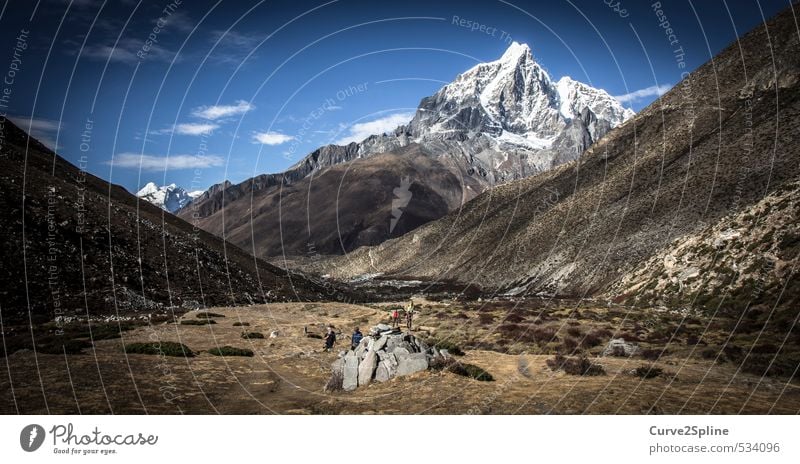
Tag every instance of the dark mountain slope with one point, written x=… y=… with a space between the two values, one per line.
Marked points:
x=83 y=235
x=717 y=143
x=342 y=207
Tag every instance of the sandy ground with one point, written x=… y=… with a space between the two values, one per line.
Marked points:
x=288 y=372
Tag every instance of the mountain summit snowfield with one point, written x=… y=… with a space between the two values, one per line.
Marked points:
x=168 y=197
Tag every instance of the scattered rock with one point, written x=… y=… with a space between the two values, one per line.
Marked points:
x=619 y=347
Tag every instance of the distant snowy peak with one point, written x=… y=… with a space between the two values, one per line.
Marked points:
x=168 y=197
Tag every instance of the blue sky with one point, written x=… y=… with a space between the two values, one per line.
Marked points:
x=206 y=90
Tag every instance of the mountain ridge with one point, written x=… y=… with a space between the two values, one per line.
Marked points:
x=501 y=120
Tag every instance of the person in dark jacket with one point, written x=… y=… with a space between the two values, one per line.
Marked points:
x=355 y=339
x=330 y=339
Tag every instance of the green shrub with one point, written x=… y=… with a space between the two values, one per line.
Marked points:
x=198 y=322
x=206 y=315
x=230 y=351
x=252 y=335
x=575 y=366
x=160 y=348
x=647 y=372
x=472 y=371
x=241 y=324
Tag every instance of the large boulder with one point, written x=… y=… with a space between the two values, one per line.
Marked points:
x=619 y=347
x=380 y=343
x=387 y=368
x=412 y=363
x=367 y=368
x=350 y=372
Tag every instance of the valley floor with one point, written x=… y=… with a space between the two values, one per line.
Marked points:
x=287 y=373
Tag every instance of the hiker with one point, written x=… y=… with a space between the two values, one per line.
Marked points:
x=355 y=339
x=409 y=313
x=396 y=318
x=330 y=339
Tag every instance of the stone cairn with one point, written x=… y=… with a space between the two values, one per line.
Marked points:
x=382 y=355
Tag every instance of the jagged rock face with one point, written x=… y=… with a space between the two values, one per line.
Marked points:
x=712 y=146
x=497 y=122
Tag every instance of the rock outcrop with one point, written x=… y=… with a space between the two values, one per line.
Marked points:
x=382 y=355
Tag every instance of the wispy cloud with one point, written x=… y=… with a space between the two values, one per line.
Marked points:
x=192 y=128
x=178 y=21
x=223 y=111
x=271 y=138
x=652 y=91
x=43 y=130
x=232 y=47
x=125 y=52
x=164 y=162
x=360 y=131
x=188 y=128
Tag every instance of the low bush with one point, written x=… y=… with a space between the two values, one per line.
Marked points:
x=570 y=345
x=198 y=322
x=160 y=348
x=647 y=372
x=575 y=366
x=252 y=335
x=241 y=324
x=441 y=363
x=206 y=315
x=654 y=354
x=472 y=371
x=514 y=318
x=595 y=337
x=313 y=335
x=61 y=345
x=574 y=331
x=448 y=345
x=230 y=351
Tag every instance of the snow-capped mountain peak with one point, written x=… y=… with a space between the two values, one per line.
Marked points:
x=513 y=99
x=168 y=197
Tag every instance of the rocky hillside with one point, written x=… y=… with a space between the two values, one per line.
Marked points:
x=714 y=146
x=498 y=121
x=741 y=262
x=75 y=245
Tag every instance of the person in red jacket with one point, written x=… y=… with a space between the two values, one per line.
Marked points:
x=396 y=317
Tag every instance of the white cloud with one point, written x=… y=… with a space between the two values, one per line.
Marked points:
x=126 y=51
x=271 y=138
x=360 y=131
x=192 y=128
x=165 y=163
x=223 y=111
x=652 y=91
